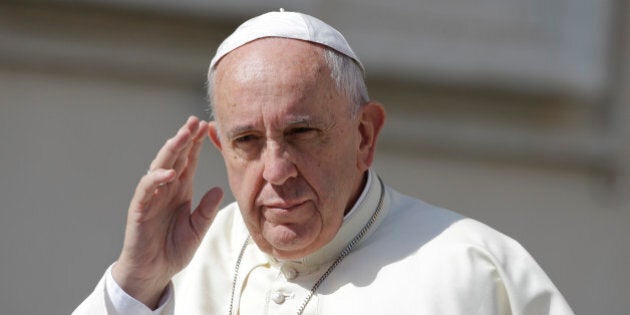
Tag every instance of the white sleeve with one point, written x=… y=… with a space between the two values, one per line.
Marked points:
x=109 y=298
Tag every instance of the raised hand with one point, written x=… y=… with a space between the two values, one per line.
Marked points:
x=162 y=234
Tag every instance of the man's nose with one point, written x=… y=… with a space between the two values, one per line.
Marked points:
x=278 y=164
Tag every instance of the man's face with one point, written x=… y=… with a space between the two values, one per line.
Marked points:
x=290 y=144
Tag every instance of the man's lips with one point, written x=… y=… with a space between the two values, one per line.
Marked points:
x=286 y=206
x=285 y=212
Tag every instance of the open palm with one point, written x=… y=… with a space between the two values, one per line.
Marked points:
x=162 y=233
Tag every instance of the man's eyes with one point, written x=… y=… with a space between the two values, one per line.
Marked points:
x=245 y=139
x=302 y=130
x=294 y=133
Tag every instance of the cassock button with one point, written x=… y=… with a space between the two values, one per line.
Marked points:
x=277 y=297
x=290 y=273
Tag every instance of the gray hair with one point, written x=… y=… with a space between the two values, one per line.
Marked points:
x=348 y=77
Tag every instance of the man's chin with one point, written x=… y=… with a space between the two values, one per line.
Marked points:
x=290 y=254
x=287 y=243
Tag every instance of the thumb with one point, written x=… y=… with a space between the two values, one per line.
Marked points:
x=207 y=209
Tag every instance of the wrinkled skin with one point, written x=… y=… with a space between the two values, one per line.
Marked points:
x=295 y=155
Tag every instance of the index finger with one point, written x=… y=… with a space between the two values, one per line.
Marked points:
x=193 y=153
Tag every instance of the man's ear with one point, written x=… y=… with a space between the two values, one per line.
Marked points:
x=213 y=134
x=371 y=120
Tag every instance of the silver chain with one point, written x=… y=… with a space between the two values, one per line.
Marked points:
x=238 y=265
x=330 y=269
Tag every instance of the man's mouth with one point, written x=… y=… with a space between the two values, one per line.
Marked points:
x=288 y=206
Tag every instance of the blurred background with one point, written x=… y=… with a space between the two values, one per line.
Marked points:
x=512 y=112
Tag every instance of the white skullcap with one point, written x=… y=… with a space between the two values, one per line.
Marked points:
x=287 y=25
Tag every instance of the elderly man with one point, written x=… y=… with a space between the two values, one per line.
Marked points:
x=314 y=230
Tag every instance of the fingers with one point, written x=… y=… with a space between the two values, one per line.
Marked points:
x=177 y=157
x=148 y=184
x=193 y=154
x=204 y=214
x=175 y=150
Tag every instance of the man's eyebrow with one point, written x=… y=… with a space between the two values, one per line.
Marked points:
x=306 y=121
x=300 y=120
x=238 y=130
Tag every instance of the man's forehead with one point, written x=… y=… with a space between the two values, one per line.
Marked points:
x=263 y=70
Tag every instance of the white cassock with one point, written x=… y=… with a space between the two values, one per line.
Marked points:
x=413 y=259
